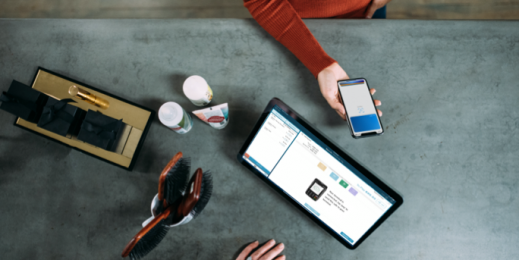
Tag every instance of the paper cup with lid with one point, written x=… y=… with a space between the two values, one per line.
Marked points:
x=197 y=91
x=175 y=118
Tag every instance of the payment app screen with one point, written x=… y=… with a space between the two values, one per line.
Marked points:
x=359 y=106
x=296 y=161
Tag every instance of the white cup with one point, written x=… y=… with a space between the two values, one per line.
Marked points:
x=197 y=91
x=175 y=118
x=154 y=204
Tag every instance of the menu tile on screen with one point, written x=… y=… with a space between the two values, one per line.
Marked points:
x=321 y=166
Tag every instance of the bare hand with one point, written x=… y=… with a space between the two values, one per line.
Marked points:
x=327 y=79
x=266 y=252
x=374 y=6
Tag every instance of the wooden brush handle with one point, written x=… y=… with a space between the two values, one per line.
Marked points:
x=192 y=194
x=129 y=247
x=162 y=178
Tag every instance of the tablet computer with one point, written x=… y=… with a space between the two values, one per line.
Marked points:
x=316 y=176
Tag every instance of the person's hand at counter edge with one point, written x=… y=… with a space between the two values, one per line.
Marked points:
x=374 y=6
x=327 y=80
x=266 y=252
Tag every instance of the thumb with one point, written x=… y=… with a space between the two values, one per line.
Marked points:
x=339 y=107
x=371 y=10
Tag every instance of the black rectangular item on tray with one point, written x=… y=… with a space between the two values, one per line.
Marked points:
x=23 y=101
x=60 y=117
x=100 y=130
x=118 y=140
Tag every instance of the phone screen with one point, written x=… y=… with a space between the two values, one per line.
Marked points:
x=360 y=110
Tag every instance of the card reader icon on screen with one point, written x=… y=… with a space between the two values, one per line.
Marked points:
x=316 y=189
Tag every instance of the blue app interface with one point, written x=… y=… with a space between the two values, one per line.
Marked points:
x=359 y=106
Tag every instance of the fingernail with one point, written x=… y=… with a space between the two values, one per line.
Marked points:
x=282 y=245
x=272 y=241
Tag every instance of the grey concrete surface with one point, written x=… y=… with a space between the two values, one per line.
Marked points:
x=448 y=92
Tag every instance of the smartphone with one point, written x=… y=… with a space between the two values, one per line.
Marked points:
x=361 y=113
x=316 y=189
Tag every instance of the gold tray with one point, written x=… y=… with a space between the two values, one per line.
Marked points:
x=137 y=119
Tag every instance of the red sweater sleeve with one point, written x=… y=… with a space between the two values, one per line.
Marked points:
x=281 y=20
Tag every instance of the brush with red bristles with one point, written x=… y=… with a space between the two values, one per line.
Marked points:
x=181 y=211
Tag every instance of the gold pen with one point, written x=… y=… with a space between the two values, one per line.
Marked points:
x=88 y=97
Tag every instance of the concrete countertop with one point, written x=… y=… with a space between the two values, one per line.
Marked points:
x=449 y=91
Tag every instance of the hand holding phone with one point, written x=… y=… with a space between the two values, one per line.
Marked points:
x=327 y=79
x=361 y=113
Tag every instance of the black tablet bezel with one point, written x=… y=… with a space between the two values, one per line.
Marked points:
x=275 y=101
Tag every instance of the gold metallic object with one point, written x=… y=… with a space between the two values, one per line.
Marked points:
x=87 y=97
x=134 y=117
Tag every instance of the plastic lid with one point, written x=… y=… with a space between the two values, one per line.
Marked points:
x=170 y=114
x=195 y=87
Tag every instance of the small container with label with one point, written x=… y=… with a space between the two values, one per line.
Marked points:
x=175 y=118
x=197 y=91
x=217 y=116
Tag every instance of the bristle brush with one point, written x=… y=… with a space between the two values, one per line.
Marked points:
x=182 y=211
x=149 y=237
x=173 y=181
x=197 y=196
x=205 y=193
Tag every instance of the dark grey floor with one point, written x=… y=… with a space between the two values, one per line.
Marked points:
x=448 y=89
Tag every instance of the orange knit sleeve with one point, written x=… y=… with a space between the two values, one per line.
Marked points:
x=281 y=20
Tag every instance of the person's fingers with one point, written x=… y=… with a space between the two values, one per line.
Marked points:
x=339 y=108
x=262 y=250
x=377 y=102
x=333 y=100
x=372 y=91
x=371 y=10
x=281 y=257
x=379 y=112
x=246 y=251
x=343 y=116
x=273 y=253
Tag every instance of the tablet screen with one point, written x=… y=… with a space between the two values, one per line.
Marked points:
x=314 y=176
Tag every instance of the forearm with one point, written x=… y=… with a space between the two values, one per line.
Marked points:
x=281 y=20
